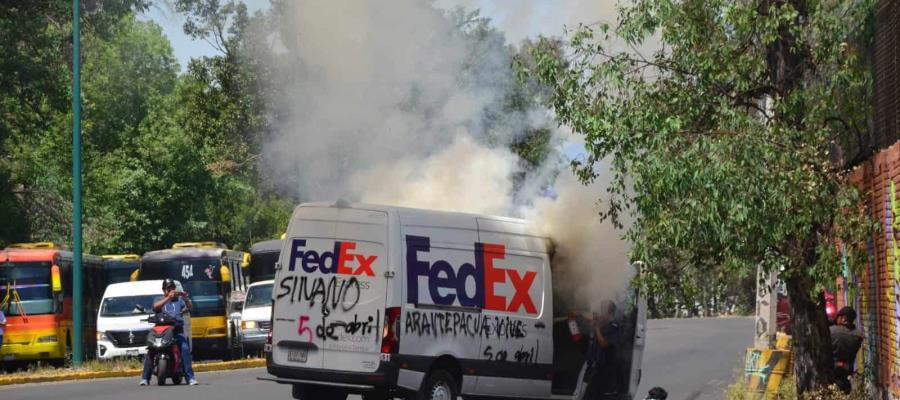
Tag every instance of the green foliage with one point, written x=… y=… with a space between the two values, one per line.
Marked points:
x=731 y=141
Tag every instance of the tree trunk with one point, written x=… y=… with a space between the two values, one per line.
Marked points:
x=811 y=352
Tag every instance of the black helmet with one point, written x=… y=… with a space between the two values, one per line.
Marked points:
x=168 y=283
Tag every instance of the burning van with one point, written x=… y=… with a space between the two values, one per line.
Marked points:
x=391 y=302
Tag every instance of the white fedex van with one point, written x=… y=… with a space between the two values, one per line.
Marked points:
x=396 y=302
x=120 y=331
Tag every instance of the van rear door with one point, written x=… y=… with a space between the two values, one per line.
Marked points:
x=330 y=290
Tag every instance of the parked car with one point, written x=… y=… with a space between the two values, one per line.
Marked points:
x=783 y=312
x=256 y=317
x=120 y=332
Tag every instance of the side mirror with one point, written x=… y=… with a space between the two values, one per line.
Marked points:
x=55 y=280
x=140 y=308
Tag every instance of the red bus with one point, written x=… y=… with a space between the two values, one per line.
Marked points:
x=36 y=296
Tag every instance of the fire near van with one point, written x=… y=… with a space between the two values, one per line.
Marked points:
x=395 y=302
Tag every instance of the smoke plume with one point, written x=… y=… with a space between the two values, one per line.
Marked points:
x=393 y=103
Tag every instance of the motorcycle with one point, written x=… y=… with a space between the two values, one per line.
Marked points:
x=163 y=349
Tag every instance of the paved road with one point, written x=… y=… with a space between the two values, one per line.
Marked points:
x=695 y=359
x=692 y=359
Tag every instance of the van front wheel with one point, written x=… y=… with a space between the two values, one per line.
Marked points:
x=440 y=385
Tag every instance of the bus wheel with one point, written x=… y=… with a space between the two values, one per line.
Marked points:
x=440 y=385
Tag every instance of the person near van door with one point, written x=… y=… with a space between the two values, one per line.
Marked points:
x=602 y=355
x=173 y=304
x=2 y=325
x=845 y=343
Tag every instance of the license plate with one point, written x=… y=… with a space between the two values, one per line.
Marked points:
x=134 y=352
x=297 y=355
x=9 y=357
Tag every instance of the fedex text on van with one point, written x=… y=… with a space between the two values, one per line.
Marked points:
x=485 y=273
x=341 y=261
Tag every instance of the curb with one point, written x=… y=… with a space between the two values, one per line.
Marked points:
x=76 y=376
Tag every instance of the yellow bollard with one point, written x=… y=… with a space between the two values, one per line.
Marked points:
x=782 y=341
x=764 y=369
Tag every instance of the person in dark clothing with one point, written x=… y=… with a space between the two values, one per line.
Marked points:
x=845 y=343
x=606 y=340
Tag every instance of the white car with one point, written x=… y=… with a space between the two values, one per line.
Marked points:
x=120 y=331
x=256 y=317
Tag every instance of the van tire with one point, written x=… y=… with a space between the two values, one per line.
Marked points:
x=304 y=392
x=439 y=385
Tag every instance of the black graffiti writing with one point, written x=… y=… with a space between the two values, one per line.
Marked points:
x=330 y=293
x=334 y=329
x=522 y=356
x=455 y=323
x=500 y=355
x=527 y=356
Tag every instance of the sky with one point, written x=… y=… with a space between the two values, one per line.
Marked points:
x=518 y=19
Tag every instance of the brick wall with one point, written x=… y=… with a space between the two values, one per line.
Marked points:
x=875 y=289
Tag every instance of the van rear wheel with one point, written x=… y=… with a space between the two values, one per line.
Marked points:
x=303 y=392
x=440 y=385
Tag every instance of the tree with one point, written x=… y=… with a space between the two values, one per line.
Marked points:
x=723 y=141
x=35 y=100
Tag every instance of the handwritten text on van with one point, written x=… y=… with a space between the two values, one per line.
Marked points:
x=486 y=275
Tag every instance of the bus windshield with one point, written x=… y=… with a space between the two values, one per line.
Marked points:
x=259 y=296
x=31 y=281
x=117 y=272
x=127 y=305
x=200 y=277
x=262 y=265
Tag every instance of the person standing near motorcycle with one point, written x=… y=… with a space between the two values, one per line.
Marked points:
x=174 y=304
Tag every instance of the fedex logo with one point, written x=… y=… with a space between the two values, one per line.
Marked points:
x=486 y=274
x=342 y=260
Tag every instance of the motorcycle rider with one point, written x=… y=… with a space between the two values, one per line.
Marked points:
x=173 y=304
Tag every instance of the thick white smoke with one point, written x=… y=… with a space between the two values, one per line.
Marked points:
x=382 y=87
x=590 y=258
x=387 y=103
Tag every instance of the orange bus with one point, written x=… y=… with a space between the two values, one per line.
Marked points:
x=36 y=296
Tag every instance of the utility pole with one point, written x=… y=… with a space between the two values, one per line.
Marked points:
x=77 y=302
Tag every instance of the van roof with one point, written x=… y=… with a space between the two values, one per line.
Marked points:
x=515 y=233
x=409 y=211
x=134 y=288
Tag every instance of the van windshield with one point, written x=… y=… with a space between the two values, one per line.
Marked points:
x=126 y=305
x=259 y=296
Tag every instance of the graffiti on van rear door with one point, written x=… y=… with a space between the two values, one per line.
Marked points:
x=331 y=293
